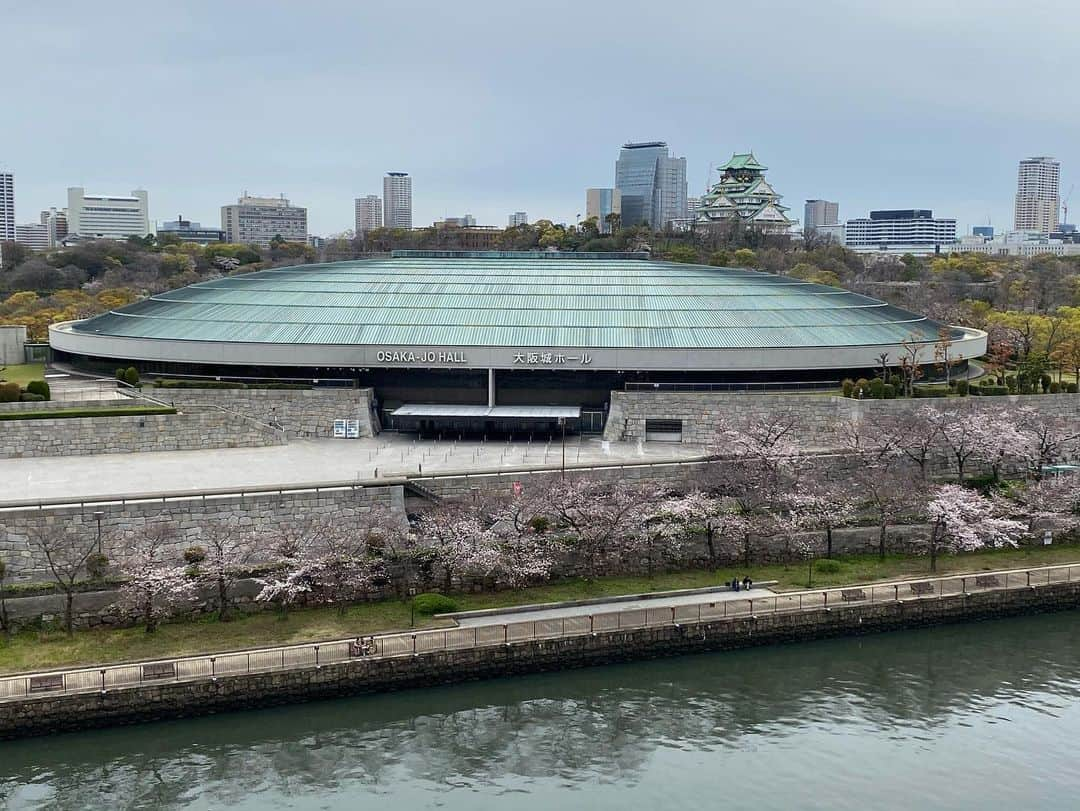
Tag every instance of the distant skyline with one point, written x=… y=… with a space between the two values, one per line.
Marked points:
x=921 y=105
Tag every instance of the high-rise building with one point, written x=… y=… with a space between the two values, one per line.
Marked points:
x=1038 y=195
x=606 y=206
x=57 y=225
x=257 y=220
x=7 y=207
x=914 y=231
x=820 y=212
x=518 y=218
x=692 y=206
x=369 y=211
x=34 y=236
x=107 y=216
x=397 y=200
x=652 y=184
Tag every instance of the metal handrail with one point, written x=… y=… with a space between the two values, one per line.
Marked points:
x=316 y=654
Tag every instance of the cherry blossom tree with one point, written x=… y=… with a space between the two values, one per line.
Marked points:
x=822 y=505
x=998 y=439
x=963 y=520
x=765 y=459
x=961 y=432
x=1049 y=439
x=154 y=587
x=699 y=512
x=915 y=435
x=345 y=569
x=1053 y=498
x=5 y=623
x=457 y=537
x=602 y=518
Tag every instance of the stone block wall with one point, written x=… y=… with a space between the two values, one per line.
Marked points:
x=189 y=518
x=816 y=413
x=84 y=436
x=301 y=412
x=52 y=405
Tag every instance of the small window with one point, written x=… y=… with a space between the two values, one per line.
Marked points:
x=663 y=430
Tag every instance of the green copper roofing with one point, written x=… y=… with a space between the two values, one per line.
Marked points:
x=744 y=160
x=515 y=301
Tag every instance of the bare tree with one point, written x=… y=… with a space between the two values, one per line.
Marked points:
x=66 y=551
x=230 y=548
x=5 y=624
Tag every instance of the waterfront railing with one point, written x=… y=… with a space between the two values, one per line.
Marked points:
x=415 y=643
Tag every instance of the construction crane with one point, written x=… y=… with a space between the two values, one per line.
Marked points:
x=1065 y=204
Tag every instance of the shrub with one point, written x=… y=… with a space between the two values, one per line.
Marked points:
x=828 y=566
x=1072 y=388
x=97 y=565
x=929 y=391
x=10 y=392
x=988 y=391
x=962 y=388
x=194 y=555
x=896 y=382
x=848 y=387
x=888 y=391
x=1010 y=382
x=433 y=603
x=539 y=524
x=877 y=388
x=1045 y=380
x=120 y=372
x=26 y=397
x=39 y=387
x=1055 y=387
x=131 y=376
x=952 y=384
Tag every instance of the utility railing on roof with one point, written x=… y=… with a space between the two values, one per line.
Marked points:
x=385 y=646
x=807 y=385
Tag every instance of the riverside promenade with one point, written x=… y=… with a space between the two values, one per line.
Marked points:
x=37 y=703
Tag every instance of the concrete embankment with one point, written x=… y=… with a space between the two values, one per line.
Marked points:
x=60 y=712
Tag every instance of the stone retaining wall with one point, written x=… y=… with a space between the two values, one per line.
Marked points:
x=701 y=412
x=56 y=713
x=267 y=513
x=84 y=436
x=301 y=412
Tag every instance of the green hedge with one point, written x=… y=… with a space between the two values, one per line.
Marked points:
x=433 y=603
x=930 y=391
x=990 y=391
x=70 y=413
x=224 y=384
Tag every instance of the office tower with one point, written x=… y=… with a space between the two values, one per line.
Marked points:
x=820 y=212
x=1038 y=195
x=107 y=216
x=369 y=211
x=7 y=207
x=652 y=184
x=518 y=218
x=257 y=220
x=606 y=206
x=397 y=200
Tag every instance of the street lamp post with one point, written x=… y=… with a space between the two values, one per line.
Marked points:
x=562 y=422
x=99 y=515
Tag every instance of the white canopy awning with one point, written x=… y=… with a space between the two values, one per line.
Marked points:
x=487 y=412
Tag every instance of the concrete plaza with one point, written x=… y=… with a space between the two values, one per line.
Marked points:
x=302 y=462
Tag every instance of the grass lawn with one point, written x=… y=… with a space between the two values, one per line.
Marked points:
x=23 y=373
x=35 y=650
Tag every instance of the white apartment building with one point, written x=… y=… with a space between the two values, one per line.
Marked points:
x=107 y=216
x=1038 y=195
x=517 y=218
x=1025 y=244
x=258 y=220
x=369 y=211
x=7 y=207
x=397 y=200
x=57 y=225
x=817 y=213
x=900 y=231
x=34 y=236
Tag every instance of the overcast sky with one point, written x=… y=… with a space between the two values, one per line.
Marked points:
x=495 y=107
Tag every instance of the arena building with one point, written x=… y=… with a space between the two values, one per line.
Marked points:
x=492 y=340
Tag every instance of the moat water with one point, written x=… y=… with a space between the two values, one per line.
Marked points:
x=979 y=716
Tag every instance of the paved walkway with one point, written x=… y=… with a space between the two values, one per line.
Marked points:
x=645 y=601
x=300 y=462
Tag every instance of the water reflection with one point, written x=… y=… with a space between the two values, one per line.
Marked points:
x=775 y=716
